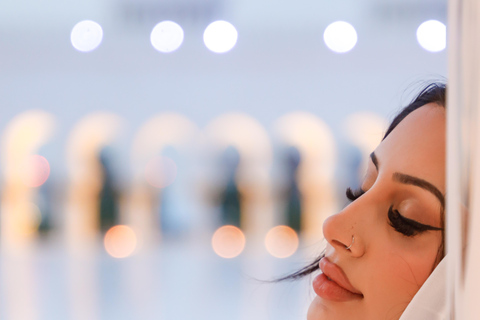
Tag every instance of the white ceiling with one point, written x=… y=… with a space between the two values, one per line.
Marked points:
x=279 y=65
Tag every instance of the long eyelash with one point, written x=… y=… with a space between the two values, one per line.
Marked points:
x=353 y=195
x=406 y=226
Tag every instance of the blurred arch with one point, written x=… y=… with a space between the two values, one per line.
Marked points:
x=314 y=140
x=253 y=144
x=85 y=142
x=22 y=138
x=365 y=131
x=167 y=130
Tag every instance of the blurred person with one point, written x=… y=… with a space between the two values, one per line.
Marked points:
x=294 y=203
x=230 y=197
x=44 y=203
x=109 y=195
x=389 y=240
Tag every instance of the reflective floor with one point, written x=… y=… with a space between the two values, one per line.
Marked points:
x=174 y=280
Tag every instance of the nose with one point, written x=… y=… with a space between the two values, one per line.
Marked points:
x=345 y=233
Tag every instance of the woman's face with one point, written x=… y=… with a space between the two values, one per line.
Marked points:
x=394 y=225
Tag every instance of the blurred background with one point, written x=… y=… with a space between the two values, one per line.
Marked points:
x=161 y=159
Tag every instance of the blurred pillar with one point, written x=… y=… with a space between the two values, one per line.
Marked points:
x=463 y=159
x=83 y=284
x=82 y=222
x=20 y=217
x=22 y=138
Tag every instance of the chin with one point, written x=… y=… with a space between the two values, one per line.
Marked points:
x=317 y=310
x=327 y=310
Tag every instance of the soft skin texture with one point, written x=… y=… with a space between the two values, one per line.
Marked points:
x=386 y=266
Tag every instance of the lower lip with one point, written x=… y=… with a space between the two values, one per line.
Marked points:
x=330 y=290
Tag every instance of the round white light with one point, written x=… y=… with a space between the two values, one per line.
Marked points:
x=432 y=35
x=167 y=36
x=220 y=36
x=340 y=36
x=86 y=36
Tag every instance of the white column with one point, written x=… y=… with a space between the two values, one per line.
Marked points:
x=463 y=169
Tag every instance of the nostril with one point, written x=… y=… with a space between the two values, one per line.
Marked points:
x=336 y=242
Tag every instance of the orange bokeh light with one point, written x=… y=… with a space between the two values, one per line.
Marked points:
x=228 y=242
x=120 y=241
x=281 y=241
x=160 y=172
x=36 y=171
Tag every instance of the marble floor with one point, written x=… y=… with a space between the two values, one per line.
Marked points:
x=174 y=280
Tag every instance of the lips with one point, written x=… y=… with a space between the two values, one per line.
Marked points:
x=333 y=284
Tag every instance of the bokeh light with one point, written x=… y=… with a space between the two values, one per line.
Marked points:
x=340 y=37
x=432 y=35
x=167 y=36
x=281 y=241
x=228 y=242
x=160 y=172
x=120 y=241
x=220 y=36
x=86 y=35
x=36 y=171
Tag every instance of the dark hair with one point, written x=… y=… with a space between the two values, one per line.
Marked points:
x=432 y=93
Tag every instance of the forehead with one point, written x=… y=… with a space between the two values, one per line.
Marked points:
x=417 y=146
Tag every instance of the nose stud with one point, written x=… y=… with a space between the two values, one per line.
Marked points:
x=351 y=244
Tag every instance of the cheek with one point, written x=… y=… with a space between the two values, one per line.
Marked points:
x=405 y=275
x=399 y=274
x=415 y=261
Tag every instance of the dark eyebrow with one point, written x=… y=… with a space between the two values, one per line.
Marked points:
x=406 y=179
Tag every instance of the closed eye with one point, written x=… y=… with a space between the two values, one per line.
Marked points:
x=407 y=226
